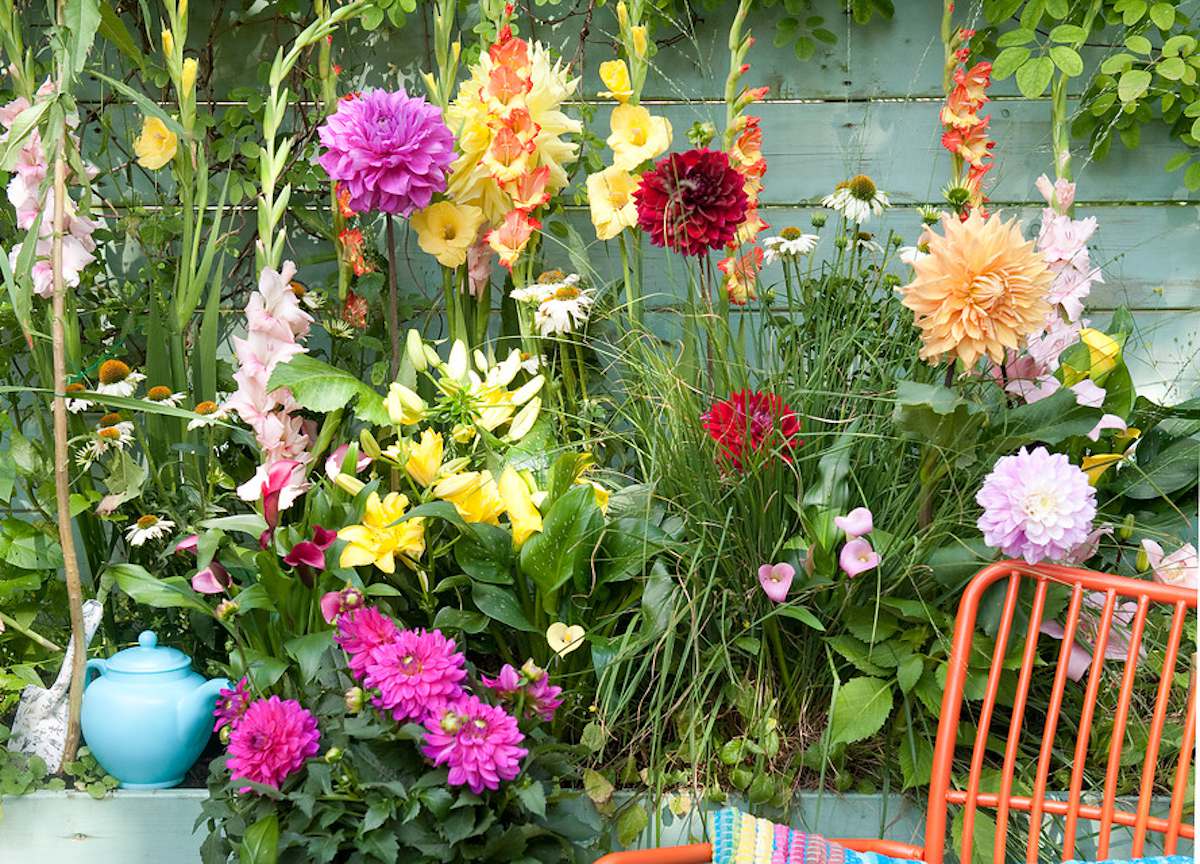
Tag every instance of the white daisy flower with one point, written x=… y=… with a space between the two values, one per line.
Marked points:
x=545 y=287
x=116 y=379
x=910 y=255
x=791 y=243
x=148 y=527
x=111 y=435
x=857 y=199
x=210 y=414
x=564 y=311
x=76 y=405
x=531 y=363
x=865 y=242
x=161 y=395
x=338 y=329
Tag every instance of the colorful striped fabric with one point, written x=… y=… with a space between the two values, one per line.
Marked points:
x=739 y=838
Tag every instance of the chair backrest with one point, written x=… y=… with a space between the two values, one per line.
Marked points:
x=1094 y=597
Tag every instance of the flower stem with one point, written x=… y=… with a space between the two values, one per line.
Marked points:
x=393 y=311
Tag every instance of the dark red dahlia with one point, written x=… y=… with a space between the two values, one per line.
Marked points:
x=691 y=202
x=749 y=421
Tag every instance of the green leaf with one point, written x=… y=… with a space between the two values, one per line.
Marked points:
x=166 y=593
x=124 y=482
x=449 y=618
x=1139 y=44
x=597 y=787
x=260 y=844
x=1068 y=33
x=1172 y=470
x=308 y=651
x=563 y=549
x=631 y=823
x=832 y=469
x=533 y=796
x=144 y=103
x=1172 y=68
x=857 y=652
x=860 y=709
x=1116 y=64
x=1179 y=46
x=908 y=673
x=1067 y=60
x=1163 y=15
x=244 y=523
x=1008 y=61
x=82 y=18
x=114 y=31
x=799 y=613
x=20 y=130
x=1191 y=177
x=318 y=386
x=916 y=768
x=499 y=604
x=1132 y=84
x=1034 y=77
x=28 y=547
x=1017 y=36
x=486 y=554
x=1049 y=421
x=936 y=414
x=1132 y=12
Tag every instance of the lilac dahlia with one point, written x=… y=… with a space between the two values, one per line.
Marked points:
x=271 y=741
x=479 y=742
x=362 y=632
x=389 y=151
x=1036 y=506
x=416 y=673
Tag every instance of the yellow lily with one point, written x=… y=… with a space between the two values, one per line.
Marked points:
x=474 y=495
x=518 y=502
x=1103 y=350
x=380 y=537
x=425 y=458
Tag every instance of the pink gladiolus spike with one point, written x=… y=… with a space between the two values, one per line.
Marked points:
x=856 y=523
x=776 y=580
x=279 y=476
x=858 y=557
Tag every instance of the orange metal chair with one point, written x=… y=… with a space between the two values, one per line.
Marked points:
x=942 y=794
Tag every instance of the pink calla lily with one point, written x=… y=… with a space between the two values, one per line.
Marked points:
x=776 y=580
x=858 y=557
x=856 y=523
x=213 y=579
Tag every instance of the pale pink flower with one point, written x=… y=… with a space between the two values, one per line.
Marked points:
x=1107 y=421
x=858 y=557
x=776 y=580
x=1181 y=567
x=479 y=266
x=1060 y=194
x=1084 y=646
x=213 y=579
x=1088 y=394
x=333 y=465
x=1083 y=552
x=856 y=523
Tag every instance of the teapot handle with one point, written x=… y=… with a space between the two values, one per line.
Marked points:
x=94 y=665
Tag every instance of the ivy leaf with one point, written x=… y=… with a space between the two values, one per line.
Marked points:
x=320 y=387
x=1132 y=84
x=1034 y=77
x=1068 y=60
x=860 y=709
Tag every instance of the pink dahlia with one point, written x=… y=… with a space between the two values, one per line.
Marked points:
x=416 y=673
x=271 y=741
x=691 y=202
x=361 y=633
x=542 y=699
x=748 y=421
x=232 y=704
x=1036 y=506
x=479 y=742
x=389 y=151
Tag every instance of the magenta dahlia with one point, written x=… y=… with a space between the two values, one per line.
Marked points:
x=691 y=202
x=271 y=741
x=749 y=421
x=479 y=742
x=417 y=672
x=389 y=151
x=362 y=632
x=232 y=704
x=1036 y=506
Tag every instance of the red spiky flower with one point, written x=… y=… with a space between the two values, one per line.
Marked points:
x=691 y=202
x=749 y=421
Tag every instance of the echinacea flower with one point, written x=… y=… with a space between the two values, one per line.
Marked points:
x=156 y=145
x=979 y=292
x=749 y=421
x=1181 y=567
x=272 y=741
x=208 y=413
x=416 y=673
x=856 y=523
x=389 y=151
x=232 y=704
x=776 y=580
x=161 y=395
x=361 y=632
x=691 y=202
x=148 y=527
x=637 y=136
x=566 y=310
x=446 y=231
x=478 y=742
x=611 y=201
x=857 y=557
x=382 y=537
x=563 y=639
x=117 y=379
x=213 y=579
x=336 y=603
x=76 y=405
x=1036 y=506
x=790 y=244
x=857 y=199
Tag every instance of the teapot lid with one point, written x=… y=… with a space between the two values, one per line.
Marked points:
x=148 y=657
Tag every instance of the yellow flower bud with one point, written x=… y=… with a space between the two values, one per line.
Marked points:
x=404 y=407
x=523 y=422
x=415 y=346
x=615 y=75
x=168 y=43
x=368 y=444
x=622 y=14
x=182 y=9
x=188 y=77
x=349 y=483
x=640 y=40
x=463 y=433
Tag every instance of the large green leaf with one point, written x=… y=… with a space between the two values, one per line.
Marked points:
x=82 y=18
x=860 y=709
x=165 y=593
x=486 y=554
x=936 y=415
x=832 y=469
x=564 y=547
x=499 y=604
x=308 y=651
x=1048 y=421
x=320 y=387
x=260 y=844
x=1172 y=470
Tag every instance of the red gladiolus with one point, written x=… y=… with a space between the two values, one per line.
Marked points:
x=691 y=202
x=749 y=421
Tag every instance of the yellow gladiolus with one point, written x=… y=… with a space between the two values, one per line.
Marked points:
x=156 y=146
x=610 y=198
x=615 y=75
x=518 y=502
x=640 y=40
x=637 y=136
x=446 y=231
x=188 y=76
x=622 y=14
x=425 y=458
x=381 y=538
x=1103 y=350
x=168 y=43
x=404 y=407
x=474 y=495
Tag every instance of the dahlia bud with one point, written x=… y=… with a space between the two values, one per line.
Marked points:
x=333 y=755
x=223 y=735
x=532 y=672
x=226 y=609
x=1126 y=529
x=355 y=699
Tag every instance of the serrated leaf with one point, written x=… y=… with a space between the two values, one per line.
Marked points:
x=1034 y=77
x=908 y=673
x=860 y=709
x=915 y=767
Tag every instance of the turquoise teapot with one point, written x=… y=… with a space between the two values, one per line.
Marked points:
x=147 y=716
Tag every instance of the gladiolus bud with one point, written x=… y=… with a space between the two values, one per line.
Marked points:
x=622 y=14
x=182 y=9
x=640 y=40
x=404 y=407
x=188 y=77
x=349 y=483
x=355 y=698
x=168 y=43
x=415 y=346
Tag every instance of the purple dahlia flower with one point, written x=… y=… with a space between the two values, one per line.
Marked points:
x=390 y=151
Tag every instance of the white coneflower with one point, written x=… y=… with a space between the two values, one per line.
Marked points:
x=856 y=199
x=545 y=287
x=76 y=405
x=161 y=395
x=564 y=311
x=210 y=414
x=864 y=241
x=116 y=379
x=910 y=255
x=791 y=243
x=113 y=433
x=531 y=363
x=148 y=527
x=339 y=329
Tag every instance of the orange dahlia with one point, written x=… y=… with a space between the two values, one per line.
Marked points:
x=981 y=289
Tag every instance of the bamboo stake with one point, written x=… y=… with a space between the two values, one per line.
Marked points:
x=61 y=454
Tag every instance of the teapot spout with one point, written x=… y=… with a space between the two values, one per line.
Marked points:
x=196 y=708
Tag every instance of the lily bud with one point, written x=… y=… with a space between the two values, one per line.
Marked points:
x=349 y=483
x=415 y=346
x=463 y=433
x=369 y=445
x=456 y=366
x=1126 y=529
x=528 y=390
x=404 y=407
x=526 y=417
